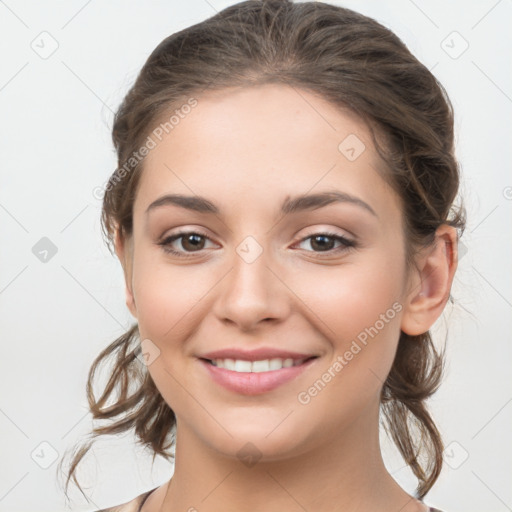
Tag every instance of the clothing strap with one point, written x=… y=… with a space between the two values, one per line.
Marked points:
x=146 y=496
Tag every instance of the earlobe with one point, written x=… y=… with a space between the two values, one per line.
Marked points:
x=124 y=251
x=432 y=283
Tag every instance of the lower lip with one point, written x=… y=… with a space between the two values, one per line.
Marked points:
x=250 y=383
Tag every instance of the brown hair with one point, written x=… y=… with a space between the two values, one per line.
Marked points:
x=353 y=62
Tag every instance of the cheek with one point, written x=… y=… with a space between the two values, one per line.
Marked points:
x=170 y=302
x=359 y=306
x=360 y=313
x=167 y=297
x=352 y=298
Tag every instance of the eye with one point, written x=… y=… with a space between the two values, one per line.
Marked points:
x=191 y=241
x=323 y=242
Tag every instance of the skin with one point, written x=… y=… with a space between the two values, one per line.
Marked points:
x=246 y=150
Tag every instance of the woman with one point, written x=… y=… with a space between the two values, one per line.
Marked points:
x=283 y=212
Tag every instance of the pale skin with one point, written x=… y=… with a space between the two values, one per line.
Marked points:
x=247 y=150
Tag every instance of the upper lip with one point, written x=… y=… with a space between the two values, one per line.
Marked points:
x=259 y=354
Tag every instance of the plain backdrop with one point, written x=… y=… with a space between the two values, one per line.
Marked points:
x=65 y=67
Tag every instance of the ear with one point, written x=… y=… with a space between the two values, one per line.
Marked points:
x=124 y=250
x=431 y=283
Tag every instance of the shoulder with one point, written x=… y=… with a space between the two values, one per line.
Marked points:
x=133 y=505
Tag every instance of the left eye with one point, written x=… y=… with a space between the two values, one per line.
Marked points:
x=324 y=242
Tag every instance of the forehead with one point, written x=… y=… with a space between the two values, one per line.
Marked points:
x=261 y=144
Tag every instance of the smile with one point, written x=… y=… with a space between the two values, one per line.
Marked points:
x=264 y=365
x=255 y=377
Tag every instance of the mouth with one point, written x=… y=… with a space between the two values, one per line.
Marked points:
x=257 y=376
x=258 y=366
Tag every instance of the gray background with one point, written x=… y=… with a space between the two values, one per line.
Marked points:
x=64 y=68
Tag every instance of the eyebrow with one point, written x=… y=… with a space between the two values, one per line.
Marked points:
x=290 y=204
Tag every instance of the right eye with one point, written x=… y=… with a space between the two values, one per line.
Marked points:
x=191 y=242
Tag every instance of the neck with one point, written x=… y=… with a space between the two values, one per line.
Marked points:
x=345 y=473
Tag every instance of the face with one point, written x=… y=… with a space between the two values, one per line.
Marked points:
x=324 y=279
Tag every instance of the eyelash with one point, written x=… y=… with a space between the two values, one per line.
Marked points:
x=346 y=243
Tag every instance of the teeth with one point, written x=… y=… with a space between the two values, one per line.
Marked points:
x=266 y=365
x=242 y=366
x=275 y=364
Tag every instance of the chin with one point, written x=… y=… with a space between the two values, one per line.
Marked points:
x=260 y=441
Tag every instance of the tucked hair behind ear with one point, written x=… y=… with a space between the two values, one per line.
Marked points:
x=353 y=62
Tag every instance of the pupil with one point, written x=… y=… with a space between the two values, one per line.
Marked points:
x=195 y=240
x=322 y=245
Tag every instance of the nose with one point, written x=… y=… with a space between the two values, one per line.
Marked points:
x=253 y=293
